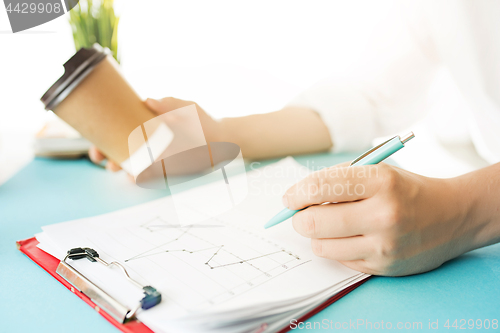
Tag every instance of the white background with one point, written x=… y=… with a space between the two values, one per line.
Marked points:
x=232 y=58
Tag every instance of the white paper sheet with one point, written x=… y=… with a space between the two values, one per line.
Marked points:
x=228 y=269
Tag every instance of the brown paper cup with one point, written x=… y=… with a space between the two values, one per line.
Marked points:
x=94 y=98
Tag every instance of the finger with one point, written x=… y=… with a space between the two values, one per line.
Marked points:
x=112 y=166
x=154 y=105
x=342 y=165
x=131 y=178
x=95 y=155
x=358 y=265
x=166 y=104
x=351 y=248
x=335 y=184
x=335 y=220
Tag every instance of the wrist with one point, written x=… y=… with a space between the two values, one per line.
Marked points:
x=231 y=130
x=215 y=131
x=476 y=215
x=223 y=134
x=444 y=214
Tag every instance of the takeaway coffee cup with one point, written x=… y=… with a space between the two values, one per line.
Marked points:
x=94 y=98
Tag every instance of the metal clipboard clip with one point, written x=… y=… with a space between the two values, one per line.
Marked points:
x=104 y=301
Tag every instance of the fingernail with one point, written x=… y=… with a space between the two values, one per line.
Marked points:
x=153 y=101
x=285 y=201
x=92 y=155
x=112 y=166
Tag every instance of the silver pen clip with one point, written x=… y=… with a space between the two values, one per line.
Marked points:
x=403 y=140
x=370 y=151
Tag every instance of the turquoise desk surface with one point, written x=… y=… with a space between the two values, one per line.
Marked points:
x=46 y=192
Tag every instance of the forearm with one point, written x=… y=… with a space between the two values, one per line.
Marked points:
x=481 y=191
x=290 y=131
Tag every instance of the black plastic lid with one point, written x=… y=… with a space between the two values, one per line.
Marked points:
x=75 y=70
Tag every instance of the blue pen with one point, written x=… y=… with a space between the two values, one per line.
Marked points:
x=372 y=156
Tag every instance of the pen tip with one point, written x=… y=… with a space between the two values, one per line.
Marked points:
x=268 y=224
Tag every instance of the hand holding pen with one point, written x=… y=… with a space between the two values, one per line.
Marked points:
x=393 y=224
x=372 y=156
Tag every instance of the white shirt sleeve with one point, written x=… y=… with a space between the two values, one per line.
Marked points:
x=389 y=86
x=381 y=93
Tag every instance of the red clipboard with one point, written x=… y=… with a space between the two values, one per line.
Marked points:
x=49 y=264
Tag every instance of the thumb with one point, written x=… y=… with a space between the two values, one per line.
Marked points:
x=166 y=104
x=155 y=106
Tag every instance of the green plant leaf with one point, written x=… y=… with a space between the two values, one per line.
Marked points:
x=95 y=22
